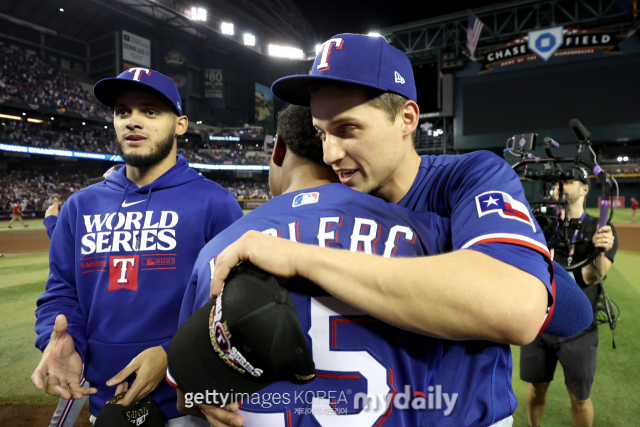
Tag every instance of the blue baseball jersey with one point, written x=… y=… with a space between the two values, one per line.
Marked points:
x=485 y=201
x=360 y=361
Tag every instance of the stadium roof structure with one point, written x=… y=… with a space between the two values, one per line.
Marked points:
x=424 y=40
x=271 y=21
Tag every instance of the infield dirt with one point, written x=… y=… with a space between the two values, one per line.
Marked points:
x=35 y=416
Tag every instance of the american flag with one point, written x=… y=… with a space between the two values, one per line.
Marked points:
x=474 y=28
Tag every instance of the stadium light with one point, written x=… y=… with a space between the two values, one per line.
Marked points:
x=34 y=120
x=286 y=52
x=198 y=14
x=625 y=158
x=619 y=159
x=373 y=34
x=61 y=10
x=227 y=28
x=318 y=49
x=52 y=118
x=249 y=39
x=186 y=139
x=105 y=127
x=24 y=114
x=6 y=116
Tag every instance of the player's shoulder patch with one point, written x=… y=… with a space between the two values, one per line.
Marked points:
x=506 y=206
x=305 y=199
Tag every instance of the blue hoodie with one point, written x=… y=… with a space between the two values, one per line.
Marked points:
x=120 y=260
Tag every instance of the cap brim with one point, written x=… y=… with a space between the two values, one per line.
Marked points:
x=197 y=368
x=295 y=89
x=107 y=91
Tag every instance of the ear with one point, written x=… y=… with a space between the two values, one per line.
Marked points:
x=182 y=123
x=410 y=116
x=279 y=151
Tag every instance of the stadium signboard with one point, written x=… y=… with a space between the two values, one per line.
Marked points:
x=136 y=49
x=548 y=44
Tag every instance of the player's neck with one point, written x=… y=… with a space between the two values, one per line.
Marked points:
x=307 y=175
x=145 y=176
x=575 y=210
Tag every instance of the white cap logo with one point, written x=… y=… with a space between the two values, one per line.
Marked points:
x=326 y=51
x=138 y=71
x=399 y=78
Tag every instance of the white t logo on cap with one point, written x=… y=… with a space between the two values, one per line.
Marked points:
x=138 y=71
x=326 y=51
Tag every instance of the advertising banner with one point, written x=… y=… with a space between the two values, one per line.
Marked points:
x=174 y=65
x=136 y=49
x=549 y=44
x=214 y=85
x=264 y=108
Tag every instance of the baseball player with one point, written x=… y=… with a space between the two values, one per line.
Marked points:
x=310 y=207
x=121 y=255
x=496 y=288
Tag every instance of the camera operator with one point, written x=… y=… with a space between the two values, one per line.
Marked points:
x=576 y=354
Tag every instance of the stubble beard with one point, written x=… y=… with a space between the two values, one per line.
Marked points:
x=157 y=154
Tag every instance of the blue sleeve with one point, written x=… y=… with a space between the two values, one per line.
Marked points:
x=60 y=296
x=572 y=312
x=227 y=213
x=187 y=307
x=490 y=214
x=50 y=224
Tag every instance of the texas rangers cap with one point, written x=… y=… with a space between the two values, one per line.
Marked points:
x=138 y=78
x=144 y=413
x=352 y=58
x=246 y=339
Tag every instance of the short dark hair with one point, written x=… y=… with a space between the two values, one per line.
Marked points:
x=295 y=126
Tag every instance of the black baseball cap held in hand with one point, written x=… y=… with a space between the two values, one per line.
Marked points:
x=246 y=339
x=144 y=413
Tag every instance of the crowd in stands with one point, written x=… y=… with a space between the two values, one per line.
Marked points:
x=234 y=156
x=25 y=77
x=247 y=189
x=35 y=135
x=34 y=189
x=101 y=141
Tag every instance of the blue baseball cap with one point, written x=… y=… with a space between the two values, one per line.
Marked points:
x=352 y=58
x=138 y=78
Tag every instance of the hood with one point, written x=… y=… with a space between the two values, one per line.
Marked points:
x=179 y=174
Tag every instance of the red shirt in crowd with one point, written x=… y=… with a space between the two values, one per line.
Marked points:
x=16 y=210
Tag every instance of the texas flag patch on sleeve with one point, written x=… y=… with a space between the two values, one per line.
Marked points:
x=305 y=199
x=505 y=206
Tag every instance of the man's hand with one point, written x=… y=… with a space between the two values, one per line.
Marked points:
x=603 y=238
x=272 y=254
x=150 y=367
x=222 y=417
x=54 y=209
x=217 y=417
x=61 y=365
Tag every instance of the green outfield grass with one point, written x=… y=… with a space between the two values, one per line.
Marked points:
x=34 y=224
x=22 y=281
x=621 y=216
